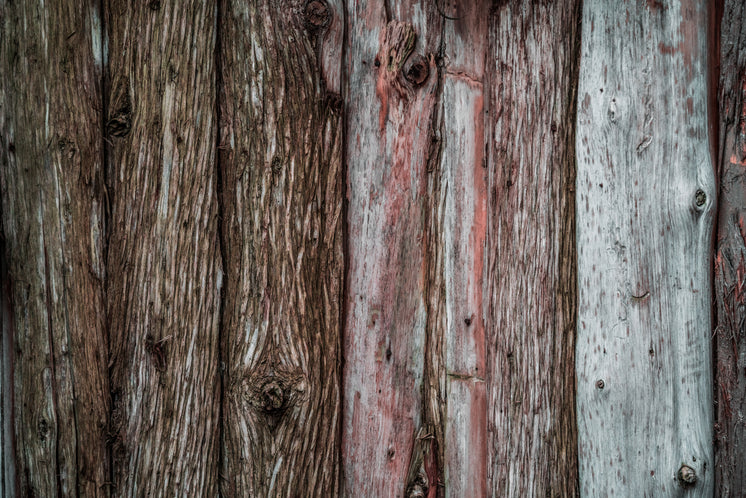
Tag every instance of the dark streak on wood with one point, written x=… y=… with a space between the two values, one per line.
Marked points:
x=730 y=259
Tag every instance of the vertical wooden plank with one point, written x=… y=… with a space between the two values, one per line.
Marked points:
x=461 y=203
x=730 y=260
x=164 y=265
x=7 y=460
x=51 y=178
x=646 y=194
x=531 y=286
x=282 y=237
x=417 y=209
x=389 y=133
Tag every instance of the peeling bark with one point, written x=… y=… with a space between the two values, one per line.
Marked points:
x=730 y=259
x=282 y=233
x=164 y=264
x=531 y=263
x=55 y=382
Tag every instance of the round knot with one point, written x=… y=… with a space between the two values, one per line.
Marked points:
x=416 y=69
x=687 y=476
x=317 y=13
x=273 y=396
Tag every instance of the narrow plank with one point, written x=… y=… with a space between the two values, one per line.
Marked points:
x=646 y=196
x=163 y=266
x=461 y=203
x=531 y=270
x=730 y=259
x=391 y=442
x=282 y=236
x=51 y=178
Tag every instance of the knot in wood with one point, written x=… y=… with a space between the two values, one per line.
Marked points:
x=700 y=198
x=273 y=396
x=317 y=14
x=687 y=476
x=600 y=384
x=416 y=69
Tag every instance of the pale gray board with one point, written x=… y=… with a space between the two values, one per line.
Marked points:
x=643 y=154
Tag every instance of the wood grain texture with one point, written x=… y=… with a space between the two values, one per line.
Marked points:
x=646 y=194
x=531 y=263
x=730 y=259
x=389 y=136
x=164 y=263
x=282 y=232
x=51 y=179
x=461 y=205
x=415 y=398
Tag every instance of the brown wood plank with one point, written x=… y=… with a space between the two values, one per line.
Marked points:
x=531 y=261
x=282 y=233
x=51 y=179
x=164 y=265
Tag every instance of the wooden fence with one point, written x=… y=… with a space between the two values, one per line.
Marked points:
x=373 y=248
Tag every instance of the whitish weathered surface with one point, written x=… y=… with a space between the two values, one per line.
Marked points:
x=282 y=197
x=460 y=204
x=51 y=180
x=646 y=193
x=730 y=260
x=164 y=256
x=531 y=287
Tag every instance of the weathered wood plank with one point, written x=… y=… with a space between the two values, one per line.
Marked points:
x=417 y=208
x=531 y=261
x=730 y=260
x=164 y=266
x=282 y=236
x=461 y=203
x=390 y=147
x=51 y=178
x=646 y=194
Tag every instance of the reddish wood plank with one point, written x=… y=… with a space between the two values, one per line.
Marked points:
x=52 y=184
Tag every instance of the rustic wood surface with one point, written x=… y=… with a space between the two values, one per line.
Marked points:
x=730 y=258
x=372 y=248
x=645 y=202
x=282 y=185
x=51 y=179
x=390 y=122
x=164 y=265
x=530 y=296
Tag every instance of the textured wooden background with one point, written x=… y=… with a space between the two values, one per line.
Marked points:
x=372 y=248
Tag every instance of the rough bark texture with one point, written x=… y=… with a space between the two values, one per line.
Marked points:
x=164 y=262
x=531 y=263
x=51 y=179
x=282 y=232
x=730 y=260
x=414 y=403
x=646 y=194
